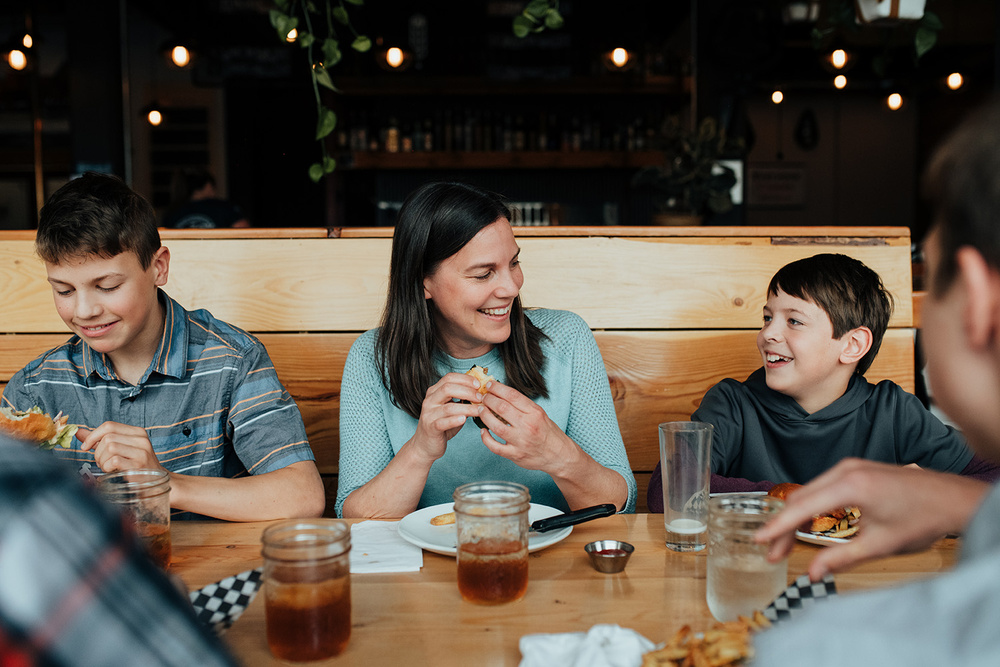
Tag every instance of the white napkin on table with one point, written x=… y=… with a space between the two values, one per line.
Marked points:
x=601 y=646
x=377 y=547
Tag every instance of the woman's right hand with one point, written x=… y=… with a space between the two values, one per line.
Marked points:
x=442 y=413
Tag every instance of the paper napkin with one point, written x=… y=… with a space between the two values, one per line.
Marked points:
x=377 y=547
x=601 y=646
x=798 y=597
x=218 y=605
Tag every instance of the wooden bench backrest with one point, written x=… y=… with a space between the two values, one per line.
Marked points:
x=673 y=310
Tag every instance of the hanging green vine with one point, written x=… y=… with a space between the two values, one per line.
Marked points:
x=323 y=51
x=537 y=16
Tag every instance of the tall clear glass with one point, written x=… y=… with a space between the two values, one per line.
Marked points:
x=491 y=519
x=685 y=459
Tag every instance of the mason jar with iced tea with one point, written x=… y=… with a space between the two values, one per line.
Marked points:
x=491 y=520
x=307 y=588
x=144 y=497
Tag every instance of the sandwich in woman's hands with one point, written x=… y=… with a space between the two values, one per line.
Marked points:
x=482 y=374
x=839 y=523
x=38 y=427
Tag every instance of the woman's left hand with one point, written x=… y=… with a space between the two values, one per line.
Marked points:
x=531 y=439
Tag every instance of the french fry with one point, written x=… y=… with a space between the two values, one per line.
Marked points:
x=721 y=645
x=443 y=519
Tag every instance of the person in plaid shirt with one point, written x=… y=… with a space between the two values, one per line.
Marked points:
x=75 y=586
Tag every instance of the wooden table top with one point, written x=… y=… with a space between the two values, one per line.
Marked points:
x=419 y=618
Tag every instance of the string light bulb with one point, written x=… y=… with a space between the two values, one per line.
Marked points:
x=154 y=117
x=894 y=101
x=955 y=81
x=180 y=56
x=838 y=59
x=17 y=60
x=618 y=59
x=777 y=97
x=840 y=82
x=394 y=57
x=292 y=35
x=27 y=41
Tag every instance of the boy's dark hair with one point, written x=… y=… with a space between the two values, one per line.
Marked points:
x=850 y=293
x=96 y=214
x=963 y=186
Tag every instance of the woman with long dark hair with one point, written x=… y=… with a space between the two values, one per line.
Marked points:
x=406 y=437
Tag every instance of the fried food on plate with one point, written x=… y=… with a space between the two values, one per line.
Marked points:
x=841 y=522
x=723 y=644
x=443 y=519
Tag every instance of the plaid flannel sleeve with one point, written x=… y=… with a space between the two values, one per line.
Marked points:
x=75 y=587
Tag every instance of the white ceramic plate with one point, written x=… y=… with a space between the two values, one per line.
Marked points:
x=822 y=540
x=738 y=493
x=416 y=529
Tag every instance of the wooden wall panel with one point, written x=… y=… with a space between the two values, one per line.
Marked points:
x=338 y=285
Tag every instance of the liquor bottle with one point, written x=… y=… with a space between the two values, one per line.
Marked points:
x=406 y=138
x=392 y=136
x=428 y=134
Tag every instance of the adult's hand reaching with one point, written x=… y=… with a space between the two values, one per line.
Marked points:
x=903 y=509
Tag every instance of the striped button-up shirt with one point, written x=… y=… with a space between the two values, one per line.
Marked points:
x=210 y=401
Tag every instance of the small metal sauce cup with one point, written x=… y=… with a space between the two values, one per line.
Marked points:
x=609 y=556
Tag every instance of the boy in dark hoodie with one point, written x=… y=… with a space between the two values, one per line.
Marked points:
x=810 y=406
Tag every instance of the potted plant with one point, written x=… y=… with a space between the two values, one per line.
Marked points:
x=691 y=183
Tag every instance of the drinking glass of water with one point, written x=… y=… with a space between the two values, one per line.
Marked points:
x=740 y=579
x=685 y=455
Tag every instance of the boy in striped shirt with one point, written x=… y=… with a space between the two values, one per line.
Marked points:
x=154 y=385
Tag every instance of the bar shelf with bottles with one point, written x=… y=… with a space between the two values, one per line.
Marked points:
x=533 y=137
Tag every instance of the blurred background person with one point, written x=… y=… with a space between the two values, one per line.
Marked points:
x=197 y=205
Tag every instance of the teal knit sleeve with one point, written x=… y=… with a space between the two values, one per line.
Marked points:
x=592 y=422
x=365 y=447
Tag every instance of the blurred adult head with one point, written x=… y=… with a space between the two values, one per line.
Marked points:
x=960 y=321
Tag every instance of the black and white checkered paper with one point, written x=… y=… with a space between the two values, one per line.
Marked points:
x=218 y=605
x=798 y=597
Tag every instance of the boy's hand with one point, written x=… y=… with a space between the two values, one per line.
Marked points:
x=119 y=447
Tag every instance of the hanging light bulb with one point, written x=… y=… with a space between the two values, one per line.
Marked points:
x=777 y=97
x=180 y=56
x=618 y=59
x=27 y=41
x=394 y=57
x=838 y=59
x=17 y=60
x=154 y=117
x=894 y=101
x=839 y=82
x=955 y=81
